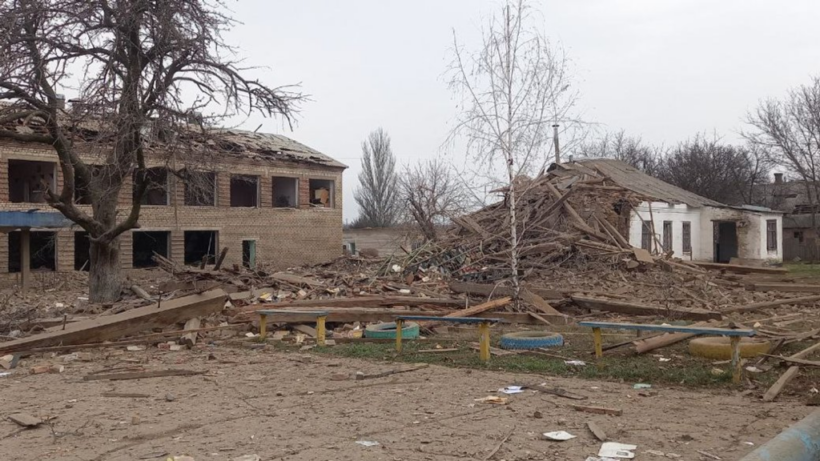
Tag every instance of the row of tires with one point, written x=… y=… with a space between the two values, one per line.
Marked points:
x=715 y=348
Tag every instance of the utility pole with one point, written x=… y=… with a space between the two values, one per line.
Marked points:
x=555 y=138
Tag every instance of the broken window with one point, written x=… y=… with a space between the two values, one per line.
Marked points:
x=285 y=192
x=82 y=251
x=156 y=192
x=200 y=188
x=244 y=191
x=146 y=243
x=29 y=181
x=200 y=245
x=82 y=188
x=686 y=235
x=321 y=193
x=249 y=253
x=42 y=251
x=667 y=236
x=771 y=235
x=646 y=236
x=798 y=235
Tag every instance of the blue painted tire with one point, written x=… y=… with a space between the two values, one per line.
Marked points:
x=531 y=340
x=388 y=331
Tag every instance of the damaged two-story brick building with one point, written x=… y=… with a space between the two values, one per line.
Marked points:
x=266 y=197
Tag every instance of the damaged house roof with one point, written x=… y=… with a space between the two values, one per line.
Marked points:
x=228 y=142
x=631 y=178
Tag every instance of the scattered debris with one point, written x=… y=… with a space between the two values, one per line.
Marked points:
x=599 y=410
x=596 y=431
x=617 y=450
x=25 y=420
x=559 y=436
x=367 y=443
x=493 y=399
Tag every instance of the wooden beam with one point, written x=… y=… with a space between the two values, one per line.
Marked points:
x=643 y=309
x=486 y=289
x=372 y=301
x=739 y=269
x=352 y=314
x=790 y=374
x=650 y=344
x=767 y=304
x=126 y=323
x=475 y=310
x=784 y=287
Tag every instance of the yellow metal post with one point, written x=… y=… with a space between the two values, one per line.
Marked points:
x=737 y=370
x=263 y=326
x=399 y=326
x=320 y=330
x=484 y=341
x=599 y=344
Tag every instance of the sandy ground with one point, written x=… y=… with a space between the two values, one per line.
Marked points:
x=292 y=406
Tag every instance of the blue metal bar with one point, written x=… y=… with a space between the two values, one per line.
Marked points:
x=449 y=319
x=33 y=218
x=800 y=442
x=669 y=328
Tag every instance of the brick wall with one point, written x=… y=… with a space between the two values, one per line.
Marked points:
x=284 y=237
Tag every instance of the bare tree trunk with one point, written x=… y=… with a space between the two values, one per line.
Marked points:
x=511 y=173
x=104 y=273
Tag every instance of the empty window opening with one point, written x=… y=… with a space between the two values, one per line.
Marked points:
x=146 y=244
x=29 y=181
x=798 y=235
x=200 y=245
x=82 y=187
x=82 y=251
x=667 y=236
x=771 y=235
x=42 y=251
x=156 y=192
x=249 y=253
x=244 y=191
x=200 y=188
x=285 y=192
x=321 y=193
x=686 y=236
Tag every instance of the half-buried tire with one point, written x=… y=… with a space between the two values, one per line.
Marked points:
x=531 y=340
x=719 y=347
x=388 y=331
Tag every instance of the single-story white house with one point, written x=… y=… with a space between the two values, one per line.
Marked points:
x=693 y=227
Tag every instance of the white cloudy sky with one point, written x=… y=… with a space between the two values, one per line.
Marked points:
x=662 y=70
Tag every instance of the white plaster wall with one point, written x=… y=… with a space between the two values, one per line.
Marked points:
x=662 y=211
x=761 y=232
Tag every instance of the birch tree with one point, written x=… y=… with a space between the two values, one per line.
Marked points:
x=513 y=89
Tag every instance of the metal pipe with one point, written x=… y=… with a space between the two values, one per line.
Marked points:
x=800 y=442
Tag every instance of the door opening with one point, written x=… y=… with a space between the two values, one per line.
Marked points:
x=725 y=241
x=249 y=253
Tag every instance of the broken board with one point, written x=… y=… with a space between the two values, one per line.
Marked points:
x=126 y=323
x=643 y=309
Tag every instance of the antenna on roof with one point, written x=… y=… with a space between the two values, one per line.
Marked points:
x=257 y=128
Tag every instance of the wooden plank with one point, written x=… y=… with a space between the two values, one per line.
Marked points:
x=298 y=280
x=778 y=386
x=599 y=410
x=473 y=311
x=141 y=375
x=650 y=344
x=125 y=323
x=486 y=289
x=615 y=234
x=810 y=363
x=643 y=309
x=696 y=330
x=372 y=301
x=738 y=269
x=141 y=293
x=539 y=303
x=125 y=395
x=767 y=304
x=308 y=330
x=350 y=315
x=784 y=287
x=221 y=258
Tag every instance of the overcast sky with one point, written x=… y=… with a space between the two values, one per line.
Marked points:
x=661 y=70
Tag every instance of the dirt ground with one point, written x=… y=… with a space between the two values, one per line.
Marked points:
x=295 y=406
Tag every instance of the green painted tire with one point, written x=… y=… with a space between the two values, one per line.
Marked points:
x=388 y=331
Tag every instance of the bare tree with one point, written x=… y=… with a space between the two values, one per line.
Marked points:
x=433 y=195
x=514 y=88
x=789 y=129
x=628 y=149
x=378 y=192
x=713 y=169
x=142 y=66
